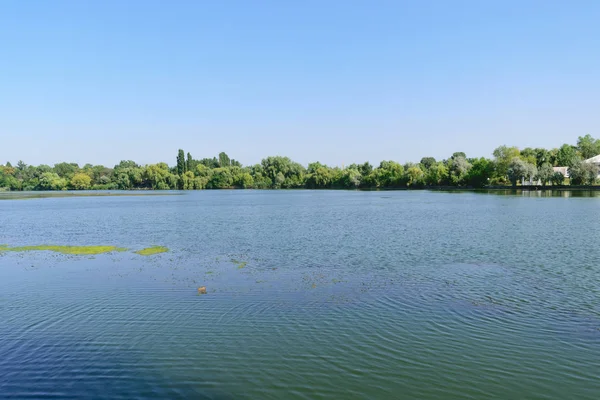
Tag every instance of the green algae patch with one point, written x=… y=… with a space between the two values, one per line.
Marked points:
x=73 y=250
x=240 y=264
x=149 y=251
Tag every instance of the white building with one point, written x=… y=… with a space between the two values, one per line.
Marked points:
x=563 y=170
x=594 y=160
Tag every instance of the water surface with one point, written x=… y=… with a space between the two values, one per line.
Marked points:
x=311 y=295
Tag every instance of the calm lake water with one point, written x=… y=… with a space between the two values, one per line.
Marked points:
x=344 y=295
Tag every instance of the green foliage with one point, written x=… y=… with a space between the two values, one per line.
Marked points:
x=224 y=160
x=519 y=169
x=588 y=147
x=437 y=174
x=557 y=179
x=545 y=173
x=566 y=156
x=81 y=181
x=481 y=172
x=543 y=156
x=415 y=176
x=52 y=181
x=282 y=173
x=503 y=156
x=181 y=167
x=458 y=168
x=220 y=178
x=529 y=155
x=583 y=173
x=427 y=162
x=66 y=170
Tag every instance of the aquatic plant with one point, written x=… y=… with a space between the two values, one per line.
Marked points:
x=149 y=251
x=73 y=250
x=240 y=264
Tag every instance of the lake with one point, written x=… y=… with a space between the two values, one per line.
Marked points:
x=311 y=295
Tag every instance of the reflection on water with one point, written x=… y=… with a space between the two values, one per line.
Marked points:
x=542 y=193
x=310 y=294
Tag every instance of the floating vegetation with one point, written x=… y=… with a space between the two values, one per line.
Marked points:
x=240 y=264
x=64 y=194
x=149 y=251
x=73 y=250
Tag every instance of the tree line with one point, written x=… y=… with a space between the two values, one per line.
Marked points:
x=509 y=165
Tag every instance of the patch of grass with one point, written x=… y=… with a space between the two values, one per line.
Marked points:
x=149 y=251
x=74 y=250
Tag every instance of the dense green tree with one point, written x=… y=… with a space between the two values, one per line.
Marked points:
x=529 y=155
x=66 y=170
x=283 y=172
x=210 y=162
x=458 y=168
x=157 y=176
x=415 y=176
x=350 y=178
x=543 y=156
x=588 y=146
x=244 y=181
x=224 y=160
x=365 y=169
x=583 y=173
x=190 y=164
x=181 y=166
x=480 y=173
x=318 y=176
x=52 y=181
x=221 y=178
x=437 y=174
x=557 y=179
x=545 y=173
x=519 y=169
x=388 y=174
x=566 y=156
x=126 y=164
x=503 y=156
x=188 y=180
x=427 y=162
x=21 y=166
x=81 y=181
x=8 y=181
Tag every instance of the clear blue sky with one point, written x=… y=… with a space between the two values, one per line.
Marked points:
x=336 y=81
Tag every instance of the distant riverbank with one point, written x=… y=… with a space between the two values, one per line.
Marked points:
x=23 y=195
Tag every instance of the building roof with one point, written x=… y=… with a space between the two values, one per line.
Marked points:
x=595 y=160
